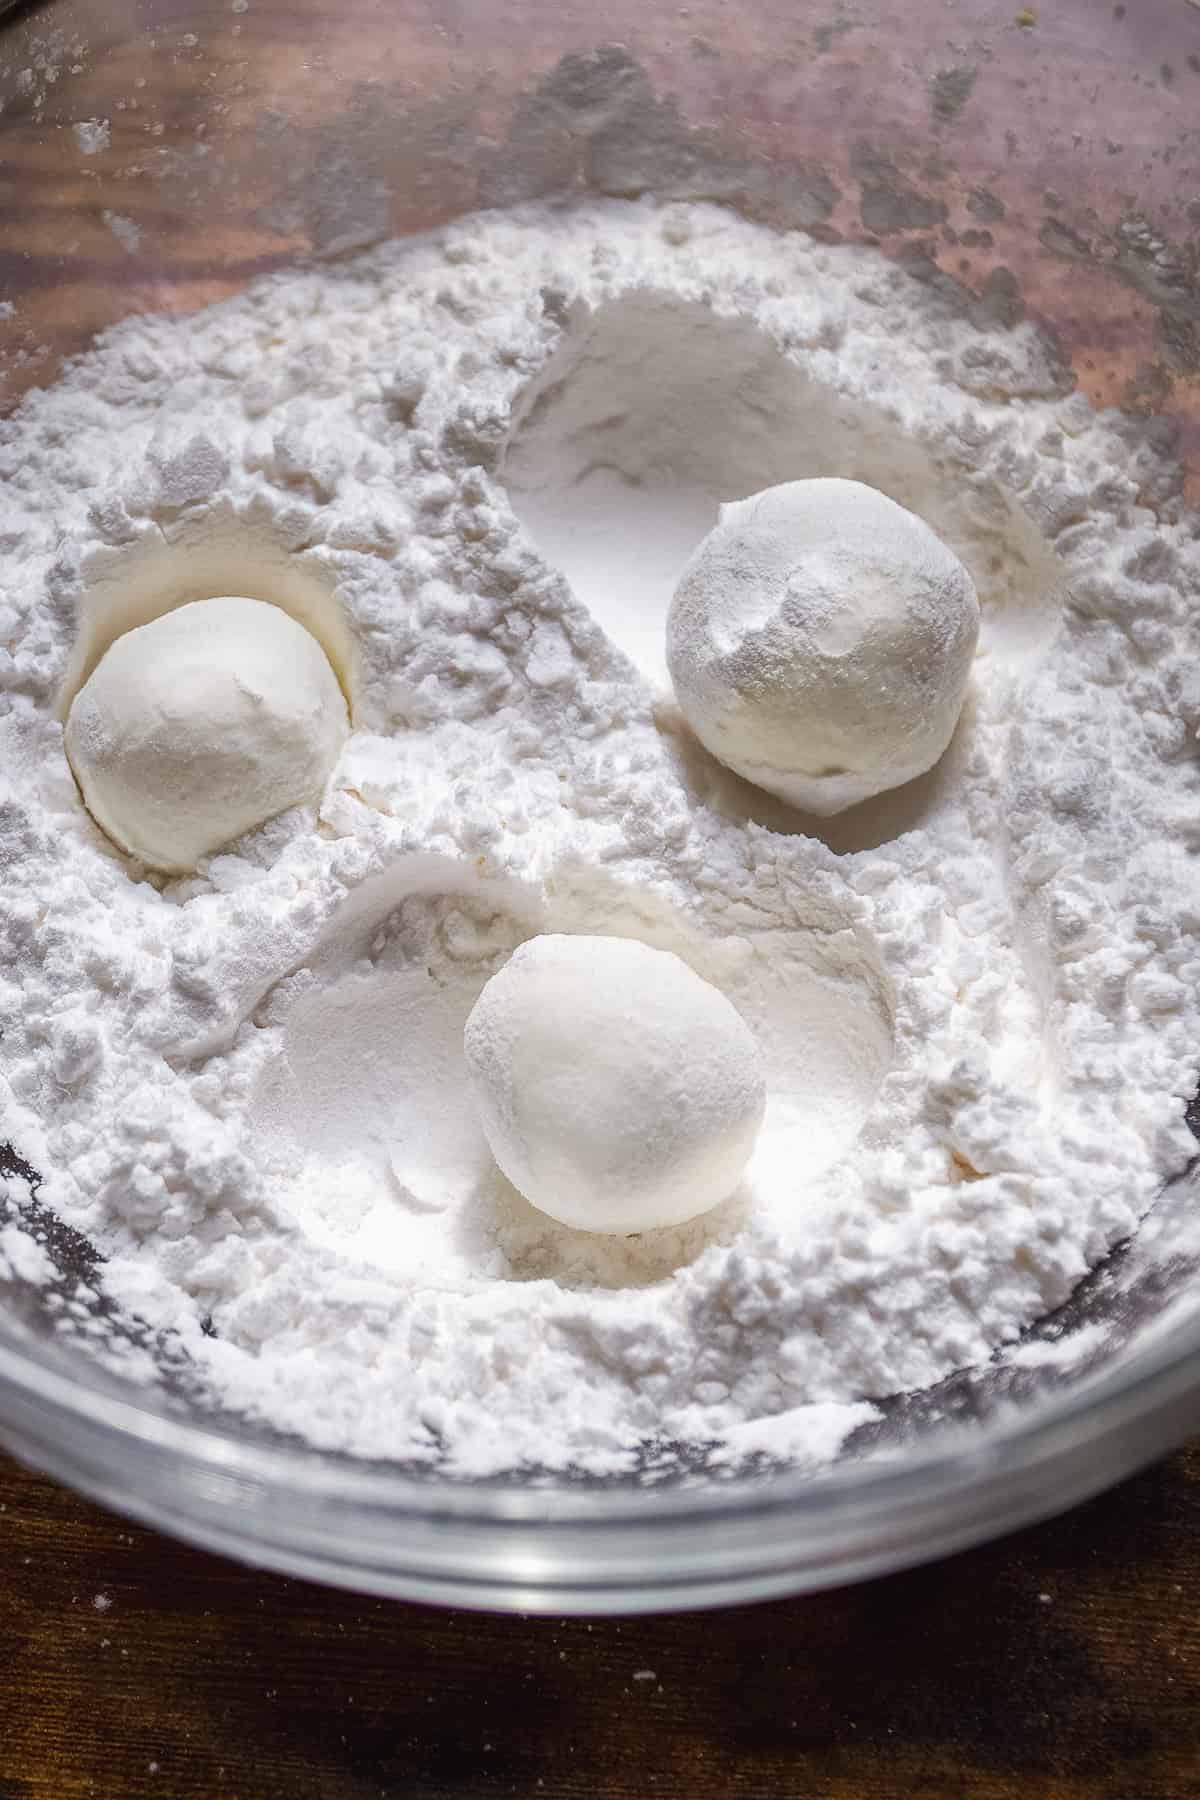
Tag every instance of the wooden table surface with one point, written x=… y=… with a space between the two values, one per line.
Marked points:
x=1063 y=1662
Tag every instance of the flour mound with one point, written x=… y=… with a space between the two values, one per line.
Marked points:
x=977 y=997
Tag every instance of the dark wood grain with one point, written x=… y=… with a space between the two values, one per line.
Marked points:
x=1063 y=1663
x=1051 y=148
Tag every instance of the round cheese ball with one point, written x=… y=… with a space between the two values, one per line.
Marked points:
x=618 y=1090
x=820 y=641
x=208 y=721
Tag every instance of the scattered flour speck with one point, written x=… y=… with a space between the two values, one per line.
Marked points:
x=92 y=136
x=127 y=234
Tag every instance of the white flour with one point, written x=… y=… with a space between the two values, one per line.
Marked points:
x=977 y=997
x=789 y=627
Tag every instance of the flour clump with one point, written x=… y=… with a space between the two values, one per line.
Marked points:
x=820 y=642
x=619 y=1090
x=203 y=724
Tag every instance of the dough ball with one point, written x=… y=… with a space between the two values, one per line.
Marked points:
x=618 y=1090
x=201 y=725
x=820 y=641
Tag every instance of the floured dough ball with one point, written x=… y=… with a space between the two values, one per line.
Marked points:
x=201 y=725
x=820 y=641
x=618 y=1090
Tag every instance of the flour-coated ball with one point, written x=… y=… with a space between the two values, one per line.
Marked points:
x=820 y=642
x=201 y=725
x=618 y=1090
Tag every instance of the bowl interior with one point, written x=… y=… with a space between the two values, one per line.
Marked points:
x=156 y=155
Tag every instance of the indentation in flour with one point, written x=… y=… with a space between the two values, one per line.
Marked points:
x=808 y=981
x=366 y=1111
x=159 y=565
x=867 y=826
x=653 y=410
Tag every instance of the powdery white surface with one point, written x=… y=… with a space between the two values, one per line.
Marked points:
x=979 y=1015
x=821 y=640
x=126 y=231
x=203 y=725
x=92 y=136
x=21 y=1258
x=619 y=1091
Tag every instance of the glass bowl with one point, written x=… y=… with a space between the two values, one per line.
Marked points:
x=156 y=155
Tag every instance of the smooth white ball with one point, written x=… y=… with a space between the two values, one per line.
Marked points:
x=618 y=1090
x=820 y=641
x=201 y=725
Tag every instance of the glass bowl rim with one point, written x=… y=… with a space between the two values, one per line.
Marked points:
x=1098 y=1407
